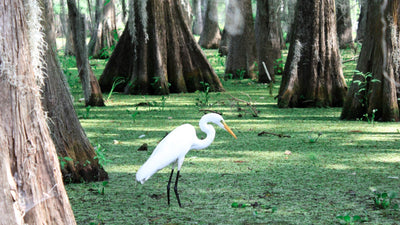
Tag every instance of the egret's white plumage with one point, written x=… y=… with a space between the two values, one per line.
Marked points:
x=173 y=148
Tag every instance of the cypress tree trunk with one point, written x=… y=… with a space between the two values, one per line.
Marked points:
x=90 y=86
x=362 y=21
x=158 y=56
x=211 y=35
x=66 y=131
x=377 y=94
x=268 y=37
x=242 y=54
x=105 y=33
x=313 y=73
x=343 y=23
x=198 y=21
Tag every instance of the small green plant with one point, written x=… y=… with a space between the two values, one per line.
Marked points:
x=228 y=76
x=117 y=81
x=371 y=119
x=64 y=161
x=363 y=83
x=101 y=188
x=163 y=102
x=100 y=156
x=87 y=162
x=384 y=200
x=133 y=114
x=86 y=115
x=203 y=97
x=347 y=219
x=241 y=73
x=312 y=139
x=156 y=83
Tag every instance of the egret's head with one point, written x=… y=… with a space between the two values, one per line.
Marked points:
x=217 y=119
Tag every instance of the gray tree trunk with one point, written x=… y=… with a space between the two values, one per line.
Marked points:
x=362 y=21
x=242 y=54
x=198 y=21
x=343 y=23
x=105 y=33
x=211 y=35
x=268 y=37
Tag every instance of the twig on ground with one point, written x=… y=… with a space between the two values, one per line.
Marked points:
x=279 y=135
x=249 y=104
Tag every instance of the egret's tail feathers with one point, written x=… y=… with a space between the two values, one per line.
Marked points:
x=145 y=172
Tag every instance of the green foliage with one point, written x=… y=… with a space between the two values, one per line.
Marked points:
x=384 y=200
x=348 y=219
x=100 y=156
x=240 y=73
x=133 y=114
x=312 y=139
x=203 y=97
x=101 y=188
x=371 y=118
x=117 y=81
x=363 y=92
x=156 y=83
x=64 y=160
x=86 y=115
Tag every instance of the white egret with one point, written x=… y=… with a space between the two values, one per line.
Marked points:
x=173 y=148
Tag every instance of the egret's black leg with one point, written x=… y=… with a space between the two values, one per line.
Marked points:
x=169 y=184
x=176 y=189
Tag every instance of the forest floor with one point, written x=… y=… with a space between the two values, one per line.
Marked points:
x=317 y=169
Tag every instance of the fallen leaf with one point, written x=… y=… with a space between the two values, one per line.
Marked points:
x=287 y=152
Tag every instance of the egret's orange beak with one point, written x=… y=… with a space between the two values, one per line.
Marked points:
x=229 y=130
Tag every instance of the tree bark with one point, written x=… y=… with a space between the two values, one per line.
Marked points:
x=66 y=30
x=187 y=12
x=159 y=58
x=105 y=34
x=288 y=18
x=211 y=35
x=66 y=131
x=313 y=74
x=225 y=36
x=380 y=57
x=32 y=191
x=362 y=21
x=90 y=86
x=224 y=43
x=343 y=23
x=241 y=58
x=268 y=37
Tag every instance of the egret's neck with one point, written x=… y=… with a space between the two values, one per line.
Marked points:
x=210 y=131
